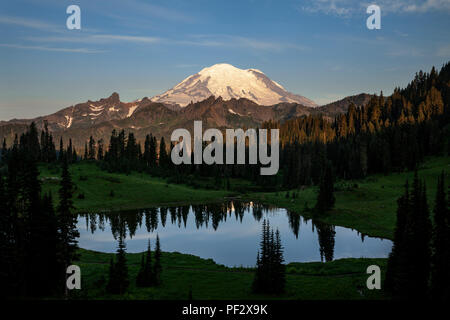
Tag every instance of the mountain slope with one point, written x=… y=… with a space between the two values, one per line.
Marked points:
x=342 y=105
x=226 y=81
x=99 y=118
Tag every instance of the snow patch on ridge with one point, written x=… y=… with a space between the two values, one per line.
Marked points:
x=69 y=121
x=234 y=112
x=131 y=111
x=96 y=108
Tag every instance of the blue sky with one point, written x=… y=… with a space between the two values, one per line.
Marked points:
x=320 y=49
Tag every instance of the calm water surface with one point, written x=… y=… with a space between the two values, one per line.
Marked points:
x=228 y=233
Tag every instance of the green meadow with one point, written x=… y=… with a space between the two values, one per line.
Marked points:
x=339 y=279
x=104 y=191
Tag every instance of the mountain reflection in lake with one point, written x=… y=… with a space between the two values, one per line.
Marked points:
x=228 y=233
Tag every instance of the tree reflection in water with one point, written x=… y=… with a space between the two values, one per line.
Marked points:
x=126 y=223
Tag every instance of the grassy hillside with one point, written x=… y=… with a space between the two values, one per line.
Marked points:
x=367 y=205
x=113 y=191
x=340 y=279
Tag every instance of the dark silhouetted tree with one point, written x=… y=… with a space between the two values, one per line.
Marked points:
x=440 y=270
x=118 y=278
x=325 y=198
x=67 y=221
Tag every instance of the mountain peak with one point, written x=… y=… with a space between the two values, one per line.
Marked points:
x=227 y=81
x=220 y=67
x=114 y=96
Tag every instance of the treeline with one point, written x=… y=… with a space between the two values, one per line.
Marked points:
x=419 y=263
x=37 y=241
x=388 y=134
x=125 y=154
x=44 y=149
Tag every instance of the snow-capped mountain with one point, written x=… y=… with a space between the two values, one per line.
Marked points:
x=226 y=81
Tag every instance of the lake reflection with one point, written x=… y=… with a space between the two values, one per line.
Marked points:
x=228 y=233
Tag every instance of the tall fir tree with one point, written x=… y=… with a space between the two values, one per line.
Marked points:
x=440 y=269
x=325 y=198
x=163 y=157
x=61 y=149
x=408 y=268
x=67 y=221
x=397 y=264
x=419 y=241
x=270 y=271
x=86 y=153
x=118 y=277
x=145 y=277
x=91 y=150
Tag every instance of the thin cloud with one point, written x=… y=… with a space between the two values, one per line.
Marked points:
x=42 y=48
x=96 y=38
x=347 y=8
x=228 y=41
x=340 y=8
x=125 y=38
x=30 y=23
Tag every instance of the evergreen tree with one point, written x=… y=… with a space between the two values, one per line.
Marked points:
x=152 y=149
x=145 y=277
x=5 y=249
x=4 y=151
x=70 y=152
x=74 y=156
x=61 y=149
x=440 y=271
x=279 y=267
x=396 y=265
x=28 y=232
x=163 y=157
x=67 y=228
x=419 y=242
x=270 y=271
x=118 y=278
x=86 y=154
x=325 y=198
x=100 y=150
x=43 y=258
x=408 y=266
x=91 y=150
